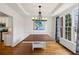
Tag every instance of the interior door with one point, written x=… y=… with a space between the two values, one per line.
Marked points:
x=77 y=42
x=61 y=26
x=57 y=36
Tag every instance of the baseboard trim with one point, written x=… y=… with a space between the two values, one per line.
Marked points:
x=66 y=48
x=15 y=44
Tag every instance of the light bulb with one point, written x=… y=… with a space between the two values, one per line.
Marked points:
x=43 y=18
x=33 y=18
x=46 y=18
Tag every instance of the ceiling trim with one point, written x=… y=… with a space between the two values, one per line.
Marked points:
x=56 y=8
x=20 y=6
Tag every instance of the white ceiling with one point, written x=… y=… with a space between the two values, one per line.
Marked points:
x=2 y=14
x=32 y=8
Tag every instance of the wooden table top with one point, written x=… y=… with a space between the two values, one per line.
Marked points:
x=38 y=37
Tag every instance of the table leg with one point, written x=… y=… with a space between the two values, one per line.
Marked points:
x=1 y=37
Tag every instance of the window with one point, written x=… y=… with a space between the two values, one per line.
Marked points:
x=68 y=27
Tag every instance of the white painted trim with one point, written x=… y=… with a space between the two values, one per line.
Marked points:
x=70 y=45
x=57 y=7
x=21 y=39
x=20 y=6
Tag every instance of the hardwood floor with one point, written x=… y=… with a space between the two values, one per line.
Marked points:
x=25 y=47
x=41 y=37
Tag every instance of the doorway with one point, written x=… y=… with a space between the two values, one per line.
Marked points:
x=6 y=29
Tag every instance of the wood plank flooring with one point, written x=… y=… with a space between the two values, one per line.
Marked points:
x=38 y=37
x=24 y=48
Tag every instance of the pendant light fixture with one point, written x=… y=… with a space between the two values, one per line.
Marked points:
x=39 y=17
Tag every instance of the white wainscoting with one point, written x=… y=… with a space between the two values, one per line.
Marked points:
x=70 y=45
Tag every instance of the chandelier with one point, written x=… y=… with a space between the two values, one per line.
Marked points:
x=39 y=17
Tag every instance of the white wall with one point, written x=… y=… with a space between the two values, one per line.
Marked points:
x=69 y=44
x=22 y=27
x=51 y=27
x=28 y=25
x=19 y=32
